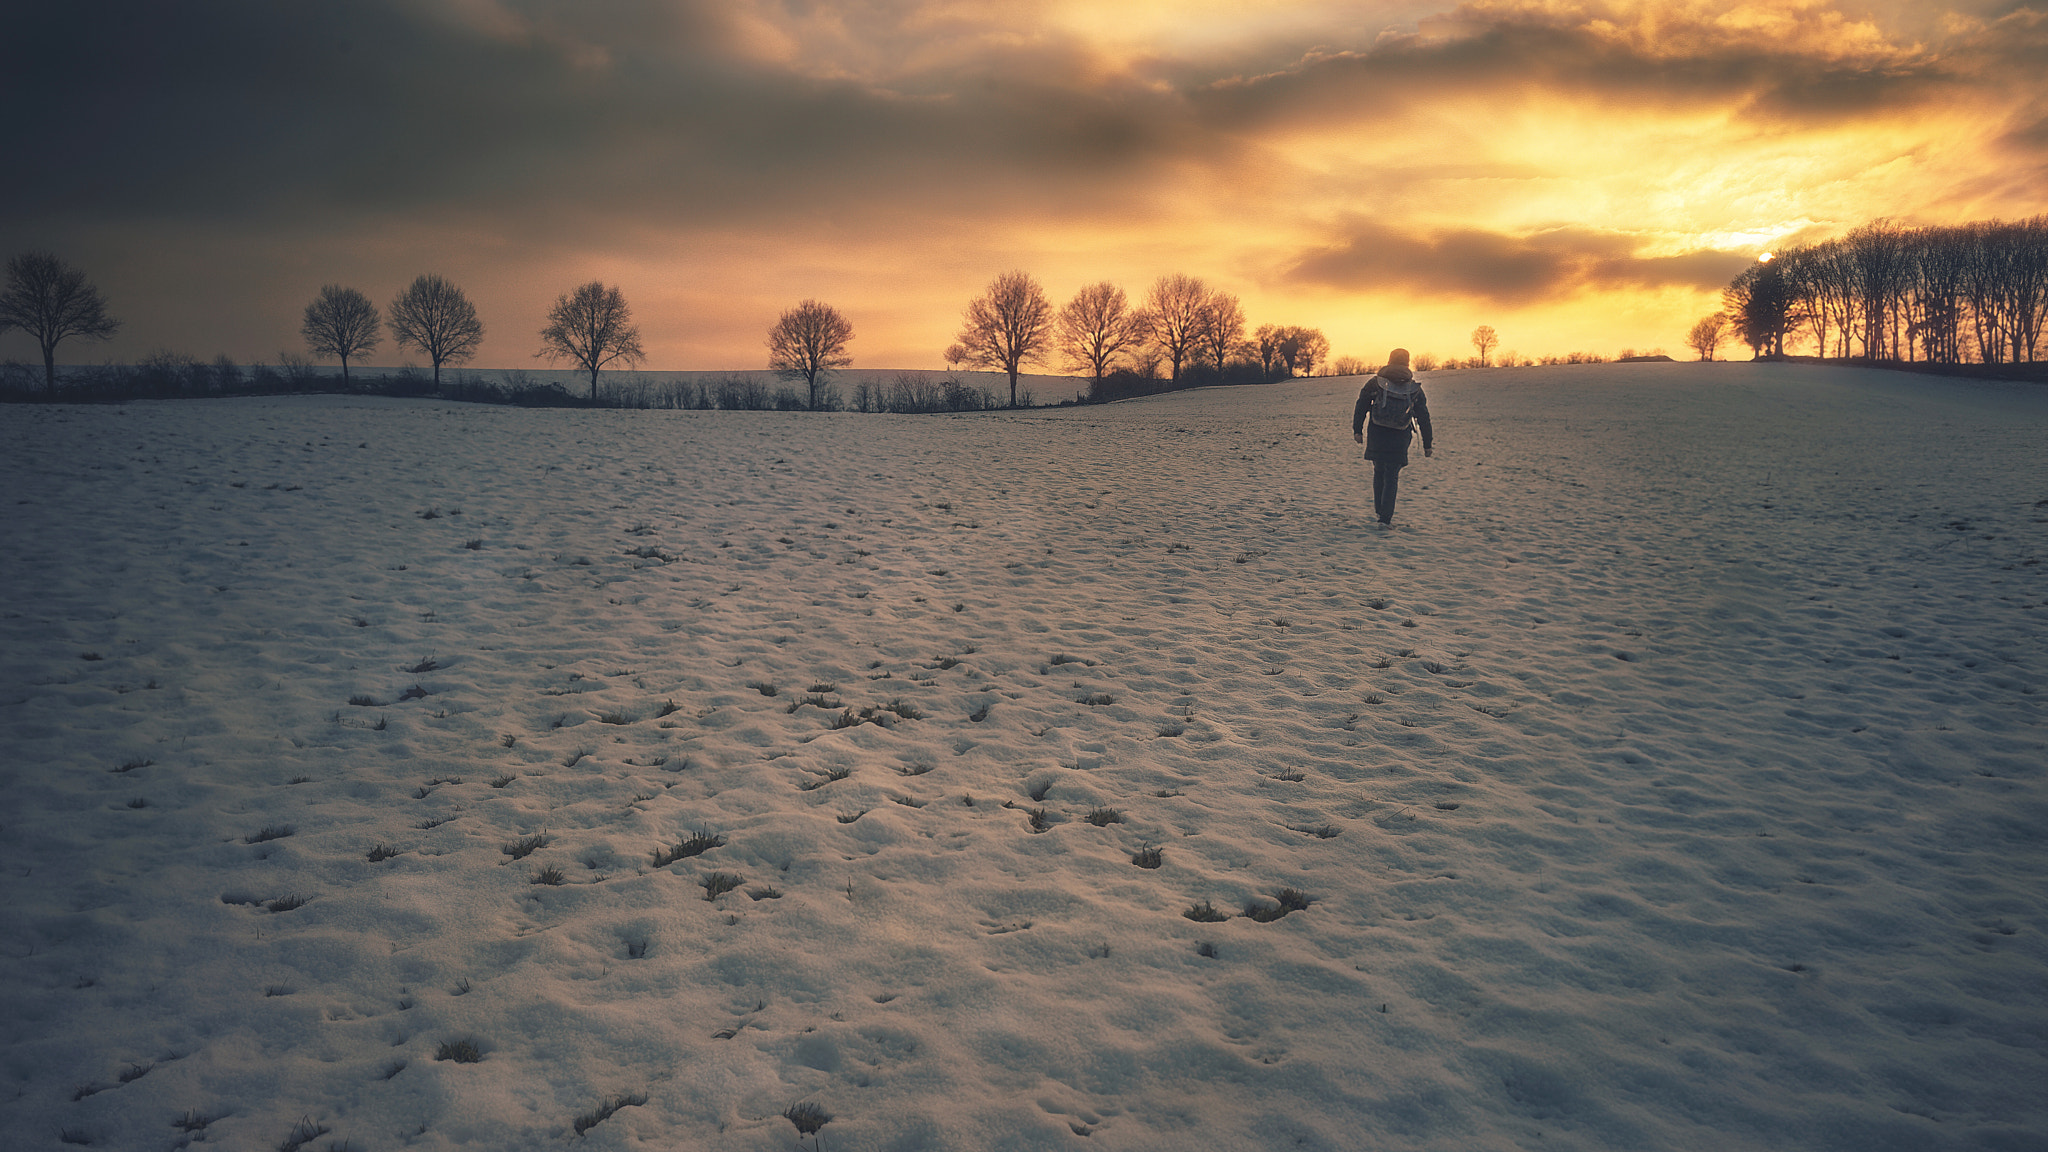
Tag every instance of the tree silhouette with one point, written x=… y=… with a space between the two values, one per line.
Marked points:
x=1006 y=325
x=809 y=340
x=1097 y=326
x=1298 y=350
x=1706 y=335
x=52 y=302
x=1484 y=338
x=434 y=316
x=1760 y=304
x=1308 y=347
x=1219 y=329
x=1949 y=293
x=1265 y=344
x=1175 y=306
x=341 y=322
x=592 y=326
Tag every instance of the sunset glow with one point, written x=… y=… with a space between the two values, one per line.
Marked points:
x=1579 y=175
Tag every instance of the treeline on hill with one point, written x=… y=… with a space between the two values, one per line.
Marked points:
x=1181 y=335
x=1886 y=293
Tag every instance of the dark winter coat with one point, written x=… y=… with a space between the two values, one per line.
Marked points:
x=1381 y=442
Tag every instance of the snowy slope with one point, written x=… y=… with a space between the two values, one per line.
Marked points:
x=1670 y=777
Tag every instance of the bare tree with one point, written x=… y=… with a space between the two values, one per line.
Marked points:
x=1878 y=252
x=1097 y=327
x=434 y=316
x=1349 y=366
x=591 y=326
x=1305 y=349
x=1006 y=325
x=1706 y=335
x=1936 y=293
x=1175 y=306
x=1761 y=306
x=1265 y=344
x=2023 y=272
x=1485 y=339
x=808 y=341
x=52 y=302
x=1295 y=351
x=341 y=322
x=1219 y=329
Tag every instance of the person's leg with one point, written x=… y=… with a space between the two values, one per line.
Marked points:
x=1386 y=482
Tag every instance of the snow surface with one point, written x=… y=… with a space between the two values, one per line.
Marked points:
x=1670 y=777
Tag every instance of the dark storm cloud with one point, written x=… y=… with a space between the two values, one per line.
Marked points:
x=1469 y=262
x=251 y=109
x=285 y=110
x=1505 y=51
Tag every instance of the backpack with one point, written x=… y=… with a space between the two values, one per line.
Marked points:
x=1391 y=409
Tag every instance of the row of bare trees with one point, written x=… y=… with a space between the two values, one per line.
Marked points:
x=591 y=326
x=1947 y=294
x=1182 y=324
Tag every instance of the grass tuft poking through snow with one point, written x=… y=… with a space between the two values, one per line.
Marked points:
x=303 y=1133
x=525 y=846
x=606 y=1108
x=695 y=844
x=829 y=776
x=459 y=1051
x=807 y=1117
x=1284 y=901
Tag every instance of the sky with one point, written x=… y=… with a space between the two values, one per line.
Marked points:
x=1578 y=175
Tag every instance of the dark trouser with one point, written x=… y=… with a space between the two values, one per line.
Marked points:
x=1386 y=483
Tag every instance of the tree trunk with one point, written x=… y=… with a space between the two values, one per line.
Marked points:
x=50 y=368
x=1013 y=387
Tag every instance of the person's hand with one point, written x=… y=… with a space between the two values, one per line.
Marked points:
x=1358 y=437
x=1428 y=452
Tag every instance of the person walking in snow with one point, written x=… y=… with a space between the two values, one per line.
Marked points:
x=1390 y=407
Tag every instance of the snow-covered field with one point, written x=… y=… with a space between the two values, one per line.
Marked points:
x=1671 y=777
